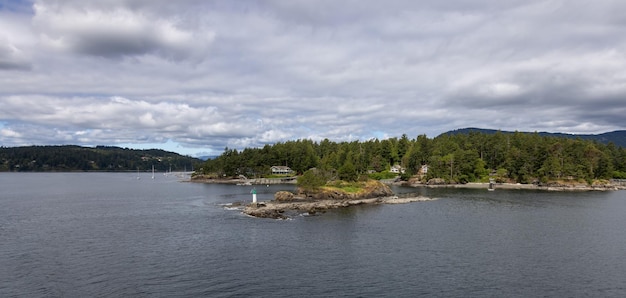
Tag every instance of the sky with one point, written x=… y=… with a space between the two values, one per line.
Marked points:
x=195 y=76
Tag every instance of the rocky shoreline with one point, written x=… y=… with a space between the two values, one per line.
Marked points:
x=287 y=204
x=311 y=202
x=547 y=187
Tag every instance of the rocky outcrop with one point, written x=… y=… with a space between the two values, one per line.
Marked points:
x=263 y=211
x=286 y=204
x=284 y=210
x=436 y=181
x=284 y=196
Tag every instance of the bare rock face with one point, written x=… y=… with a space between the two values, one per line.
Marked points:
x=436 y=181
x=265 y=212
x=382 y=190
x=323 y=195
x=284 y=196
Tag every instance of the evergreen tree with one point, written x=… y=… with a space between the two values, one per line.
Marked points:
x=348 y=172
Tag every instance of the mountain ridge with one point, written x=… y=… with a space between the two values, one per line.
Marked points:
x=617 y=137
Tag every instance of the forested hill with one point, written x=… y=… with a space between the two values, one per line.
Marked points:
x=617 y=137
x=457 y=158
x=100 y=158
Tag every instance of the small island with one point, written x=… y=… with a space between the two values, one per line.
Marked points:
x=338 y=194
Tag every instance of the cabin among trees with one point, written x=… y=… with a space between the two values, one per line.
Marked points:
x=397 y=169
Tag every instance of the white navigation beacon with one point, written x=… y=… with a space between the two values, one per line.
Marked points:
x=253 y=192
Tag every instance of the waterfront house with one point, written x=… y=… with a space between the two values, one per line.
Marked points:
x=281 y=170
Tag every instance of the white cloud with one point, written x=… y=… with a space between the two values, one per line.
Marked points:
x=210 y=75
x=15 y=42
x=114 y=32
x=9 y=133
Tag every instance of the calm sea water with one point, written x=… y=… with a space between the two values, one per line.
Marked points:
x=111 y=235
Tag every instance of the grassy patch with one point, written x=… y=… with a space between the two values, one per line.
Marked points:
x=279 y=176
x=352 y=187
x=343 y=186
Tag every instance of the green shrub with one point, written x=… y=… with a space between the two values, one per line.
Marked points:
x=619 y=175
x=312 y=179
x=348 y=172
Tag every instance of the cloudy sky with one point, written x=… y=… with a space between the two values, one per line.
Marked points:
x=198 y=76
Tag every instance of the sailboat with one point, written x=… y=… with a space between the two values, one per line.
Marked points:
x=152 y=171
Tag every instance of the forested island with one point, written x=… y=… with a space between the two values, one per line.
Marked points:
x=335 y=175
x=451 y=158
x=100 y=158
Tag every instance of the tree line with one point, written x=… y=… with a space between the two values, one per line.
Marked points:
x=100 y=158
x=456 y=158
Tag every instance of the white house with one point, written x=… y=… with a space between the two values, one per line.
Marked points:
x=281 y=170
x=397 y=169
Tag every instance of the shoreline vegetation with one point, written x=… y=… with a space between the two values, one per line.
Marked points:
x=553 y=186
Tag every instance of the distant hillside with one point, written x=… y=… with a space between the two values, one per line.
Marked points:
x=617 y=137
x=100 y=158
x=207 y=157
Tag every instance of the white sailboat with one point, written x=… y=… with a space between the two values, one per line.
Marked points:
x=152 y=171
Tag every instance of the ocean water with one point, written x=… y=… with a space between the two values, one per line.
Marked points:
x=113 y=235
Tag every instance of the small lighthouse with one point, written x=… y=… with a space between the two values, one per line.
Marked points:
x=253 y=192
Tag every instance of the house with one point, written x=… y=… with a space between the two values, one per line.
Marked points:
x=424 y=170
x=281 y=170
x=397 y=169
